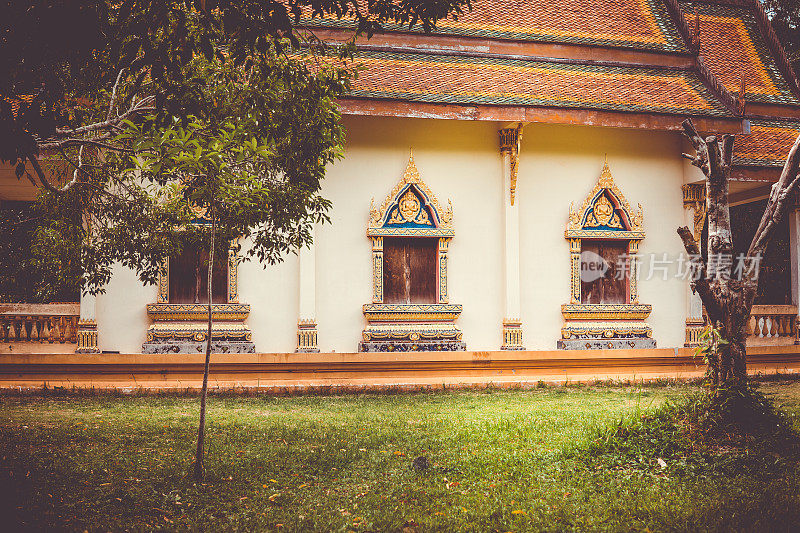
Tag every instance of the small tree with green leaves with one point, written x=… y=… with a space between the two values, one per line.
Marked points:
x=249 y=168
x=154 y=109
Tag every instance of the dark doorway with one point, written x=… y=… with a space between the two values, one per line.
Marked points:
x=609 y=283
x=409 y=269
x=188 y=275
x=774 y=278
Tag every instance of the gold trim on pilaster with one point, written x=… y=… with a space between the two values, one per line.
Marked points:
x=377 y=270
x=510 y=140
x=694 y=197
x=87 y=337
x=443 y=245
x=163 y=282
x=512 y=334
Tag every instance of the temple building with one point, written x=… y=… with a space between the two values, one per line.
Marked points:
x=511 y=181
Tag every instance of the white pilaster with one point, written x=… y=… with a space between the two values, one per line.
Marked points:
x=694 y=203
x=512 y=325
x=794 y=255
x=307 y=299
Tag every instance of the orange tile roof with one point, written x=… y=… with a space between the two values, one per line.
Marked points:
x=472 y=80
x=768 y=143
x=732 y=45
x=643 y=24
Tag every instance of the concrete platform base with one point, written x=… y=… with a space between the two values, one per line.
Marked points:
x=331 y=372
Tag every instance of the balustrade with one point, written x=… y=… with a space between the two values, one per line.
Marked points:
x=39 y=323
x=772 y=324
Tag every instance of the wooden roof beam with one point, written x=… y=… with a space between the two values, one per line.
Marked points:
x=546 y=115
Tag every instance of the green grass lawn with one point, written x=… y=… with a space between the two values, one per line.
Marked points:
x=500 y=461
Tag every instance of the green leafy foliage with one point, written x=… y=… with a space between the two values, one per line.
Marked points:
x=66 y=54
x=785 y=18
x=255 y=160
x=31 y=272
x=710 y=342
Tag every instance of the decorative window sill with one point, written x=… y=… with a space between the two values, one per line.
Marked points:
x=396 y=313
x=162 y=312
x=606 y=311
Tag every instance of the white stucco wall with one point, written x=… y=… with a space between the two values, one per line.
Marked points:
x=121 y=312
x=561 y=164
x=459 y=161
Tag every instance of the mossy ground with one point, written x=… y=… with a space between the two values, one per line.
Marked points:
x=546 y=459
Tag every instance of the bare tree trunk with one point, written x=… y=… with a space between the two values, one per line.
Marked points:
x=728 y=301
x=199 y=466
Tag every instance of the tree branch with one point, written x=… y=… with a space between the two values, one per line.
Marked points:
x=142 y=106
x=700 y=160
x=114 y=95
x=66 y=143
x=700 y=282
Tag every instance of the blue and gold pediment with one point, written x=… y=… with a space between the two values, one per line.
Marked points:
x=605 y=213
x=410 y=209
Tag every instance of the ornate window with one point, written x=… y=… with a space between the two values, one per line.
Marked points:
x=180 y=313
x=604 y=309
x=410 y=309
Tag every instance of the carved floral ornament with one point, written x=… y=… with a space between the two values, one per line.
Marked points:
x=410 y=209
x=605 y=213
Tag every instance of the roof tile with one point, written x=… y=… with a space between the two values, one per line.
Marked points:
x=768 y=143
x=473 y=80
x=642 y=24
x=731 y=44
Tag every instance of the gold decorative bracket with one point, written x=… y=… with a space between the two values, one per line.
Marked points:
x=87 y=337
x=510 y=141
x=512 y=334
x=307 y=336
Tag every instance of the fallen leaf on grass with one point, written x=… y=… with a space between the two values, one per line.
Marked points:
x=518 y=511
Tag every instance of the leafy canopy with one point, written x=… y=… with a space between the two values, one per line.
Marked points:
x=785 y=18
x=58 y=58
x=254 y=161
